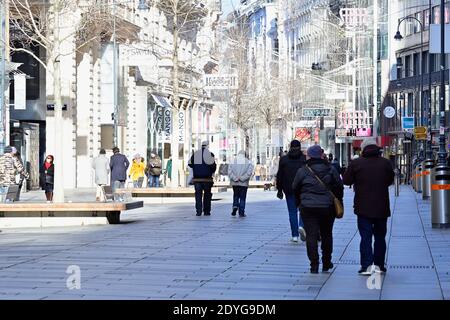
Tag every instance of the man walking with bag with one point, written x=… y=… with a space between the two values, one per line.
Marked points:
x=203 y=167
x=371 y=175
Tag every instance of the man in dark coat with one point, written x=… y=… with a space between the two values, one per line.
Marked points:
x=371 y=175
x=119 y=165
x=287 y=168
x=317 y=205
x=203 y=166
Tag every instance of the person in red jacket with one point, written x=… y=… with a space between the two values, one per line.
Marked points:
x=371 y=175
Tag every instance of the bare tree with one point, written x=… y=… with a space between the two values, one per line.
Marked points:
x=242 y=103
x=61 y=28
x=184 y=18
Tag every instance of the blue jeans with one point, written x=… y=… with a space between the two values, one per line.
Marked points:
x=153 y=181
x=239 y=198
x=203 y=197
x=369 y=228
x=294 y=217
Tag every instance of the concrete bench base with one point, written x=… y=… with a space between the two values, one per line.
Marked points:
x=252 y=184
x=18 y=215
x=166 y=195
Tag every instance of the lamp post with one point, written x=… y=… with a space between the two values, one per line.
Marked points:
x=442 y=154
x=399 y=37
x=2 y=81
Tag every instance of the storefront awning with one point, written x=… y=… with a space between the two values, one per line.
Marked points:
x=162 y=101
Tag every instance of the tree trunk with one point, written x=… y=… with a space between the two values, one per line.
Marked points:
x=269 y=139
x=176 y=103
x=58 y=118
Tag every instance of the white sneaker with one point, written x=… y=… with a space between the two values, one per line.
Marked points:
x=302 y=232
x=294 y=239
x=369 y=271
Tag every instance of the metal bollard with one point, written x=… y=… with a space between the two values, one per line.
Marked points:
x=397 y=182
x=427 y=166
x=440 y=197
x=419 y=178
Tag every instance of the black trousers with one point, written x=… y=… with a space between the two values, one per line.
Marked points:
x=203 y=197
x=318 y=220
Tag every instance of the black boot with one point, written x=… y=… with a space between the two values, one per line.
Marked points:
x=314 y=269
x=234 y=211
x=327 y=266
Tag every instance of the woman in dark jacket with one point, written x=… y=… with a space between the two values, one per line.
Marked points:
x=48 y=177
x=317 y=205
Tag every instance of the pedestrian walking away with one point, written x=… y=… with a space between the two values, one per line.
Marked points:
x=119 y=165
x=240 y=171
x=137 y=171
x=287 y=169
x=10 y=166
x=203 y=168
x=48 y=179
x=153 y=170
x=101 y=169
x=371 y=175
x=313 y=184
x=223 y=170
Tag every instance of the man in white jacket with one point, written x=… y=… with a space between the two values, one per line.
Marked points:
x=240 y=171
x=101 y=168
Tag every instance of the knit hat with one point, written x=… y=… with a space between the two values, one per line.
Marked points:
x=314 y=152
x=295 y=144
x=368 y=142
x=8 y=149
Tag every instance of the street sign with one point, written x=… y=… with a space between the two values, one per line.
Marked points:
x=389 y=112
x=341 y=133
x=420 y=130
x=420 y=133
x=316 y=112
x=408 y=123
x=221 y=81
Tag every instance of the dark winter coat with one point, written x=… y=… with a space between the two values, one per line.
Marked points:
x=310 y=191
x=287 y=169
x=336 y=166
x=371 y=175
x=119 y=165
x=203 y=165
x=48 y=175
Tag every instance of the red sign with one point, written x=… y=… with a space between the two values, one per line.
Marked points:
x=302 y=134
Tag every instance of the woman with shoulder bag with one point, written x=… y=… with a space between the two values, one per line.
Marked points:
x=318 y=185
x=48 y=177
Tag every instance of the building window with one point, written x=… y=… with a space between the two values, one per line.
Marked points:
x=407 y=66
x=107 y=133
x=416 y=23
x=425 y=62
x=416 y=64
x=437 y=14
x=426 y=19
x=399 y=68
x=447 y=12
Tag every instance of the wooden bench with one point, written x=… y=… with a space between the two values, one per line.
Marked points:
x=110 y=210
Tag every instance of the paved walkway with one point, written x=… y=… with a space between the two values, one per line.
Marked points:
x=166 y=252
